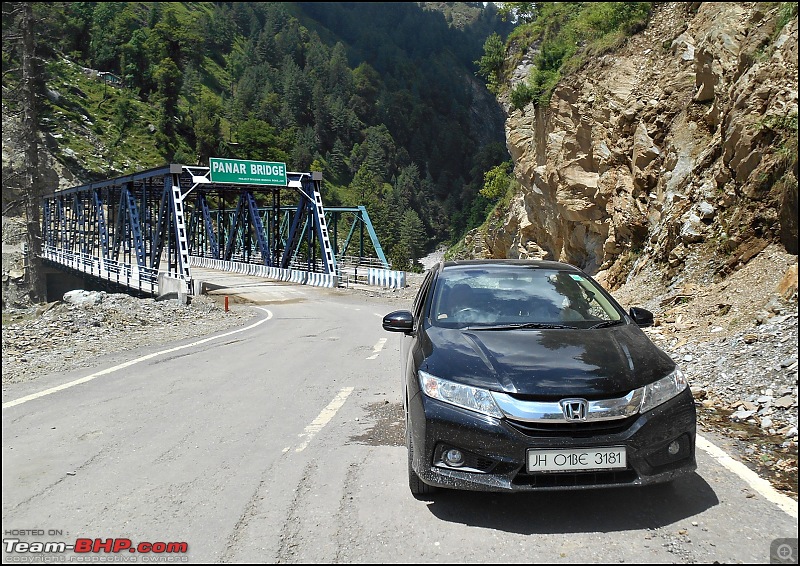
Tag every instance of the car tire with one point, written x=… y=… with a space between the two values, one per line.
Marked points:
x=419 y=489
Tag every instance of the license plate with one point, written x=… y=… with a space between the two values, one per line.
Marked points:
x=577 y=459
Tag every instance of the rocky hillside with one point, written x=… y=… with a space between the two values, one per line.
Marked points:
x=681 y=143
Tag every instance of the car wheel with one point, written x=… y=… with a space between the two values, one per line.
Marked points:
x=419 y=489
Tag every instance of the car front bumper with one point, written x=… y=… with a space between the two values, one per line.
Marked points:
x=496 y=449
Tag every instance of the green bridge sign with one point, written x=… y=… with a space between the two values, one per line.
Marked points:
x=239 y=172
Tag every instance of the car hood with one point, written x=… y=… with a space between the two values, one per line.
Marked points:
x=551 y=363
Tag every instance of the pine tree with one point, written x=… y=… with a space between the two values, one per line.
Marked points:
x=30 y=124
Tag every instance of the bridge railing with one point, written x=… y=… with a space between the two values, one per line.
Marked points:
x=317 y=279
x=354 y=269
x=298 y=272
x=143 y=279
x=354 y=261
x=368 y=271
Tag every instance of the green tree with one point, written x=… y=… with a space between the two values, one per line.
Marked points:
x=168 y=36
x=135 y=62
x=113 y=24
x=367 y=84
x=305 y=149
x=376 y=153
x=400 y=257
x=408 y=186
x=124 y=113
x=365 y=186
x=294 y=93
x=257 y=140
x=412 y=234
x=218 y=29
x=168 y=80
x=337 y=161
x=489 y=66
x=496 y=182
x=339 y=76
x=67 y=31
x=207 y=134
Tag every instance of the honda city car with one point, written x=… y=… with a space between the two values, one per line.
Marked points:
x=528 y=375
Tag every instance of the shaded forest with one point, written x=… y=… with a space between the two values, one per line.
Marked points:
x=382 y=98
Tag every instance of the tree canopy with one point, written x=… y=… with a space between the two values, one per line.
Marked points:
x=379 y=95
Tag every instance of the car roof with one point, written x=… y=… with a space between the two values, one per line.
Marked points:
x=500 y=263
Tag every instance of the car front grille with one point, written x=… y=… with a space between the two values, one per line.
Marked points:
x=574 y=430
x=577 y=479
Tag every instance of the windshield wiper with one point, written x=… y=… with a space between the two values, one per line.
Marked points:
x=606 y=323
x=545 y=325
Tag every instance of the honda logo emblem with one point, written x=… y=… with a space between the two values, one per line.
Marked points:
x=574 y=409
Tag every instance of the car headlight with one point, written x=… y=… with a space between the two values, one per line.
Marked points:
x=465 y=396
x=663 y=390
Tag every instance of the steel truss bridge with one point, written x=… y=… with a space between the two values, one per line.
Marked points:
x=145 y=230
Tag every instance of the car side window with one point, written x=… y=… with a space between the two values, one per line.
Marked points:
x=419 y=301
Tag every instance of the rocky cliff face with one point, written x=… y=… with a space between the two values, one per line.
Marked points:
x=680 y=143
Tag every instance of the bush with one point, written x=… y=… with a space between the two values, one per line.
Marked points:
x=563 y=28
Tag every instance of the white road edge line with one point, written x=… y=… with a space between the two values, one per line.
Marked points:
x=107 y=371
x=762 y=486
x=323 y=418
x=376 y=349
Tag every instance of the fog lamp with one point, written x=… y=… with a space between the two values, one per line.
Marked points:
x=454 y=458
x=674 y=447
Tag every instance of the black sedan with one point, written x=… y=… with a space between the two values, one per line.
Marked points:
x=527 y=375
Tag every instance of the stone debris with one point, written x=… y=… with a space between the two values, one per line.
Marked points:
x=752 y=374
x=74 y=333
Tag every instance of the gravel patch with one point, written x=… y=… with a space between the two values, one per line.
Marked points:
x=75 y=333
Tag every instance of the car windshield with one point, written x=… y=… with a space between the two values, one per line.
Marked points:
x=508 y=297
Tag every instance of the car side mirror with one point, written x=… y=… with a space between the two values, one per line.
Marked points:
x=642 y=317
x=398 y=321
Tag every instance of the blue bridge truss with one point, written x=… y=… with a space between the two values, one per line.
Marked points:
x=140 y=230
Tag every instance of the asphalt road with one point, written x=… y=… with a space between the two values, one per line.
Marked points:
x=280 y=442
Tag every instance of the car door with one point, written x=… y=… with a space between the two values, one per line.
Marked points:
x=410 y=349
